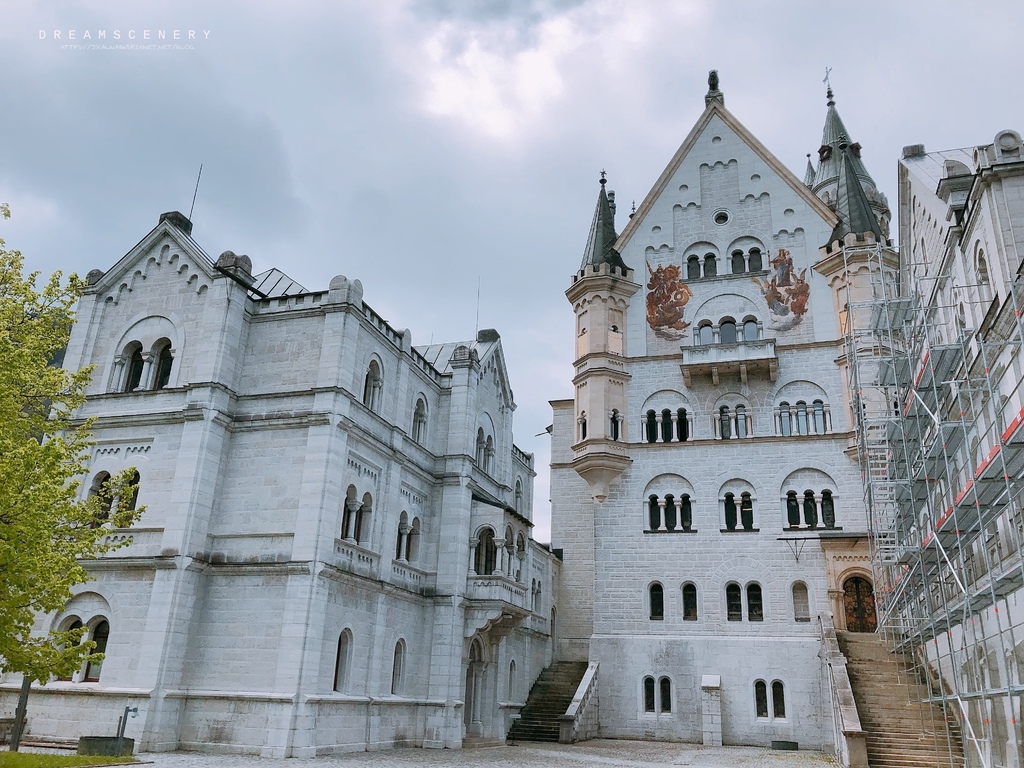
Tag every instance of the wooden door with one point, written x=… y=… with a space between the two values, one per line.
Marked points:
x=859 y=601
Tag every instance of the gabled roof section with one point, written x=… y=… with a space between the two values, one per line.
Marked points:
x=169 y=226
x=601 y=242
x=716 y=108
x=852 y=206
x=486 y=346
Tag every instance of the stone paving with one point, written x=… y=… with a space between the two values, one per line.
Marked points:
x=599 y=753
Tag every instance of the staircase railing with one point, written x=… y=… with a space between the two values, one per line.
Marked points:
x=850 y=739
x=580 y=721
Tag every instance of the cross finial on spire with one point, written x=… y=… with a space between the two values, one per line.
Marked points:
x=828 y=86
x=603 y=179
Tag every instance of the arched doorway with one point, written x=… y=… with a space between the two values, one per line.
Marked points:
x=474 y=690
x=859 y=605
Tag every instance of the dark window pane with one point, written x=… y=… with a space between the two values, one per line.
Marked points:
x=754 y=609
x=648 y=694
x=689 y=602
x=657 y=602
x=761 y=698
x=734 y=602
x=778 y=699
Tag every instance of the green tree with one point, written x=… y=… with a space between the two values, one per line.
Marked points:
x=45 y=530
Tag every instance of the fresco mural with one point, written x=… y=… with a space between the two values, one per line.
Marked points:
x=666 y=299
x=785 y=292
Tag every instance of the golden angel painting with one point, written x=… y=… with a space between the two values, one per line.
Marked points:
x=785 y=292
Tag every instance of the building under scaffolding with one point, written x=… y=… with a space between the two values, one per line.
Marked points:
x=934 y=341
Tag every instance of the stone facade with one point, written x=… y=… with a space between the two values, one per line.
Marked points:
x=335 y=553
x=704 y=466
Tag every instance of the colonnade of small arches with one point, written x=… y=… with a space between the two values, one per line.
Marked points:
x=137 y=368
x=740 y=262
x=740 y=601
x=492 y=556
x=728 y=331
x=100 y=489
x=728 y=421
x=96 y=629
x=674 y=512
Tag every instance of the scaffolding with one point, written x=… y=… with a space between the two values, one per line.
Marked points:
x=940 y=439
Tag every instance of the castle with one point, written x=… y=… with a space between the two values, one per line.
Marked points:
x=336 y=553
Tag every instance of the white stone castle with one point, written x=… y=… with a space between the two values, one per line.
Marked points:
x=336 y=553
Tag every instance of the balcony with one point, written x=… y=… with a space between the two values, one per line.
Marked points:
x=497 y=604
x=742 y=359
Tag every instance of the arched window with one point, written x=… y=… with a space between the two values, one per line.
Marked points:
x=761 y=698
x=689 y=602
x=653 y=513
x=693 y=268
x=682 y=425
x=486 y=553
x=521 y=555
x=801 y=607
x=665 y=691
x=785 y=420
x=818 y=407
x=412 y=541
x=792 y=509
x=733 y=602
x=164 y=363
x=750 y=330
x=686 y=512
x=481 y=444
x=724 y=422
x=135 y=366
x=983 y=279
x=361 y=532
x=75 y=624
x=648 y=694
x=372 y=386
x=710 y=265
x=342 y=661
x=101 y=490
x=810 y=510
x=727 y=332
x=738 y=263
x=756 y=264
x=652 y=427
x=99 y=635
x=403 y=531
x=512 y=680
x=801 y=418
x=747 y=511
x=741 y=421
x=657 y=607
x=828 y=510
x=755 y=609
x=670 y=512
x=778 y=700
x=489 y=452
x=398 y=669
x=419 y=421
x=705 y=333
x=134 y=500
x=614 y=427
x=666 y=426
x=730 y=512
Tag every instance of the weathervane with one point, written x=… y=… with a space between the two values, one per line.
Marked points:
x=825 y=81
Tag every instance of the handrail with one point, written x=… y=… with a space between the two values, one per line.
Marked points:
x=579 y=722
x=850 y=738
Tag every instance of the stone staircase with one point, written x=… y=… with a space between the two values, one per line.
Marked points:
x=549 y=698
x=901 y=731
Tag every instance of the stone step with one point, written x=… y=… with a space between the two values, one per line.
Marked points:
x=549 y=697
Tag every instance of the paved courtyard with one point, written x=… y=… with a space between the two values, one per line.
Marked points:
x=600 y=753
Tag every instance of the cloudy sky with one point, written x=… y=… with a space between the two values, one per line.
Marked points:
x=430 y=146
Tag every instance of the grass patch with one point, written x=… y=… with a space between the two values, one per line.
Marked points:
x=29 y=760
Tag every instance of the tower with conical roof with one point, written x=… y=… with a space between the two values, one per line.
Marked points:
x=600 y=294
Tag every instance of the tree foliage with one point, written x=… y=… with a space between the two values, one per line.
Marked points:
x=45 y=529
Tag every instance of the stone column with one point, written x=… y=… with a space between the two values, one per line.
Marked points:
x=472 y=556
x=689 y=426
x=675 y=426
x=118 y=378
x=657 y=421
x=352 y=507
x=828 y=420
x=661 y=515
x=403 y=537
x=732 y=420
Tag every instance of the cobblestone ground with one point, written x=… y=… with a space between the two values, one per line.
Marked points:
x=600 y=753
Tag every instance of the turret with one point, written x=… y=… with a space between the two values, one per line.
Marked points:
x=600 y=295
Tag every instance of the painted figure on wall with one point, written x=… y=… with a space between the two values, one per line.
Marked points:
x=666 y=299
x=785 y=292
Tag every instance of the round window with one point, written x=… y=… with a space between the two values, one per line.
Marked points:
x=721 y=217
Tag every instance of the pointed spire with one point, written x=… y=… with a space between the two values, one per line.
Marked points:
x=828 y=155
x=809 y=173
x=852 y=204
x=602 y=233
